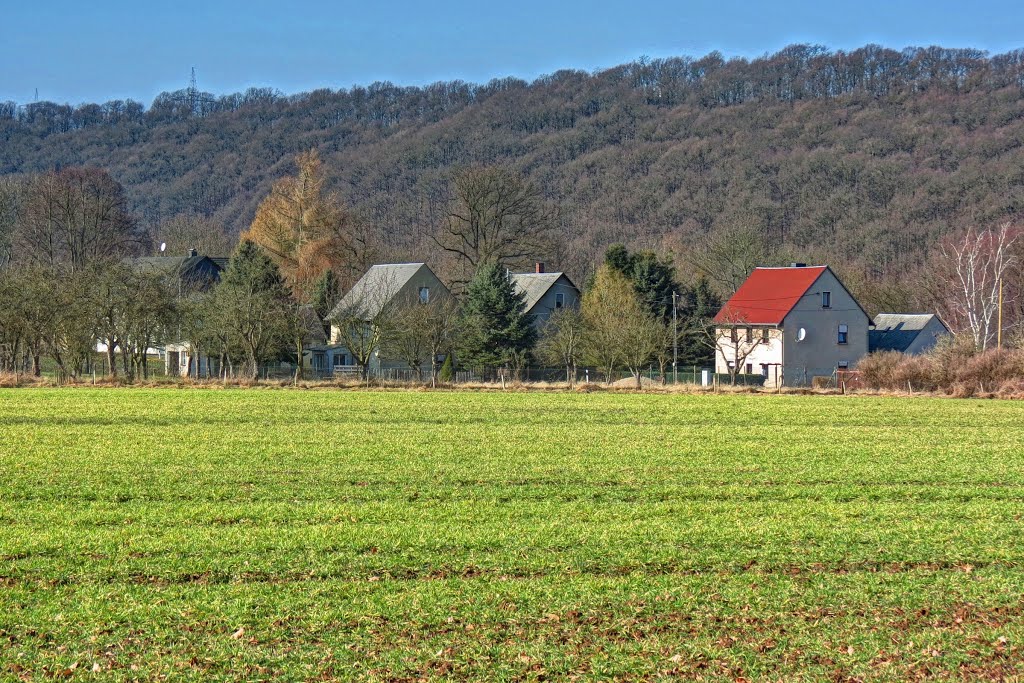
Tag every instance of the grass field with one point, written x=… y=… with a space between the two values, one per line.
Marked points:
x=296 y=535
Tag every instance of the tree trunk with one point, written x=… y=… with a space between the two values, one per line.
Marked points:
x=111 y=360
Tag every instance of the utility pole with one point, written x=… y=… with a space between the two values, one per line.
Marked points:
x=675 y=341
x=999 y=331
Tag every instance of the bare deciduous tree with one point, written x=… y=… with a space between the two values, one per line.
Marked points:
x=363 y=320
x=497 y=216
x=733 y=339
x=561 y=341
x=75 y=217
x=421 y=332
x=975 y=264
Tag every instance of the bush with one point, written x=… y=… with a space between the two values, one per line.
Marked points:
x=991 y=370
x=897 y=372
x=447 y=369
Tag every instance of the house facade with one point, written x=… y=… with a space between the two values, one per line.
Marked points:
x=791 y=325
x=910 y=333
x=382 y=285
x=545 y=293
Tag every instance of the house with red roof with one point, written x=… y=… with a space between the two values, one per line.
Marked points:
x=790 y=325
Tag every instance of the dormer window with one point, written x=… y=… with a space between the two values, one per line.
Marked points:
x=424 y=295
x=826 y=299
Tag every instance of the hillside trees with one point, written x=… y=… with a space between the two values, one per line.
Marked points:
x=192 y=231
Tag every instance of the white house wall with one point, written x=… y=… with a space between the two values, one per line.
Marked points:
x=768 y=355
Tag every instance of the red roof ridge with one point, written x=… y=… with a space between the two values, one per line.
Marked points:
x=768 y=295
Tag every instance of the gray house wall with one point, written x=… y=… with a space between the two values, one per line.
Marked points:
x=820 y=352
x=546 y=305
x=423 y=277
x=928 y=337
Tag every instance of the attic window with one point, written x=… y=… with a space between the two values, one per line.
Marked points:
x=844 y=333
x=424 y=295
x=559 y=299
x=826 y=299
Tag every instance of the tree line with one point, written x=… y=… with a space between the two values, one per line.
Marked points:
x=866 y=159
x=72 y=279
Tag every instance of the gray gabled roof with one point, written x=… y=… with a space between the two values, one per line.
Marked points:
x=535 y=285
x=897 y=331
x=376 y=288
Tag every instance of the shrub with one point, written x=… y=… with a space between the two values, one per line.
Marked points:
x=948 y=356
x=896 y=371
x=991 y=370
x=447 y=369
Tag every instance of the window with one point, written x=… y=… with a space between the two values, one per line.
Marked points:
x=750 y=368
x=734 y=335
x=844 y=333
x=750 y=334
x=844 y=364
x=559 y=299
x=339 y=360
x=764 y=337
x=424 y=295
x=764 y=369
x=826 y=299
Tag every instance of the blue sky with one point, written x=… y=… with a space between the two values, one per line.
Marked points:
x=75 y=51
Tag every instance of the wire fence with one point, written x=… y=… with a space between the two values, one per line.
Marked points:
x=97 y=368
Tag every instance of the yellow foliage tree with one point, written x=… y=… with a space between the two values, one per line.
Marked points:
x=306 y=230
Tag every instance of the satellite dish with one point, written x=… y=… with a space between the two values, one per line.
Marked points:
x=163 y=247
x=801 y=334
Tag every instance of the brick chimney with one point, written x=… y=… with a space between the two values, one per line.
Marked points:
x=540 y=267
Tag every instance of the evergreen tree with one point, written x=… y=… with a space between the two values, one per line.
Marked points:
x=697 y=307
x=494 y=324
x=448 y=369
x=253 y=304
x=326 y=294
x=653 y=278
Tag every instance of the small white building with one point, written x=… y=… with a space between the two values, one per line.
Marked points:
x=791 y=325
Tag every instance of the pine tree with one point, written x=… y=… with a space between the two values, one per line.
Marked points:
x=495 y=327
x=253 y=304
x=326 y=294
x=448 y=369
x=653 y=278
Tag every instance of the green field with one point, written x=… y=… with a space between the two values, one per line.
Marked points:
x=329 y=535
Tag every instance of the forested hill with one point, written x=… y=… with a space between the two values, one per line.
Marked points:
x=866 y=156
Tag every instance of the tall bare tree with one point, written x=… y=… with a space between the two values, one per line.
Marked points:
x=363 y=320
x=733 y=339
x=561 y=341
x=496 y=216
x=75 y=217
x=974 y=266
